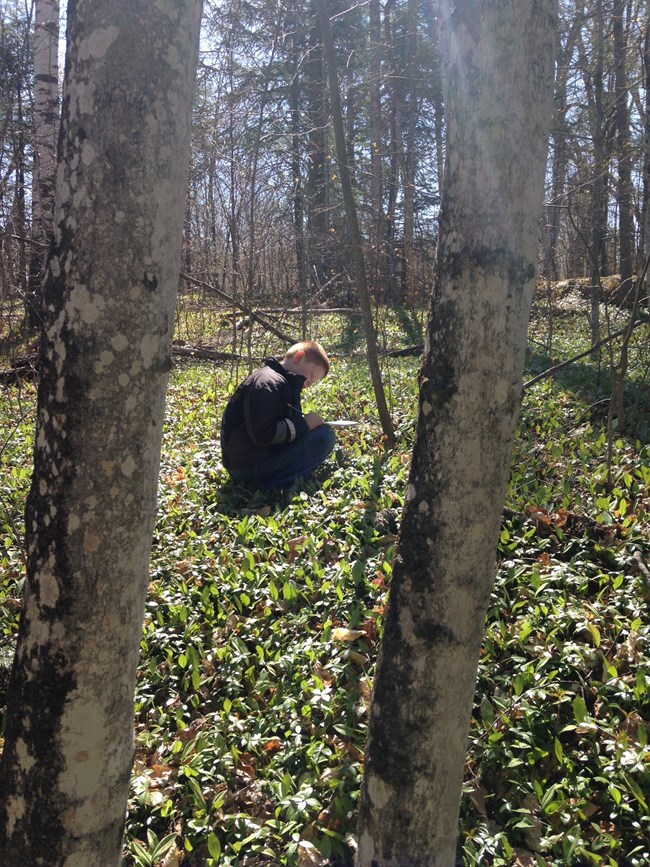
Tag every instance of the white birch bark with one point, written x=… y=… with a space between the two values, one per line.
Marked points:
x=109 y=304
x=46 y=127
x=498 y=60
x=46 y=115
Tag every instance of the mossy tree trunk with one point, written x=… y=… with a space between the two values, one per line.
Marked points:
x=109 y=305
x=498 y=63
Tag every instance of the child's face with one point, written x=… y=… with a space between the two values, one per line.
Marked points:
x=312 y=372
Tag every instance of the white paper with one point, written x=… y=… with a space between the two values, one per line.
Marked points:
x=341 y=423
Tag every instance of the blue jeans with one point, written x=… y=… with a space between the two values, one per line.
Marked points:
x=290 y=462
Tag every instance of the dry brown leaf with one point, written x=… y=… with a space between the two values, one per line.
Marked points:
x=477 y=797
x=539 y=517
x=309 y=856
x=172 y=858
x=369 y=626
x=524 y=858
x=343 y=634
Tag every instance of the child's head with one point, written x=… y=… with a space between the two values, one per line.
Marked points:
x=309 y=359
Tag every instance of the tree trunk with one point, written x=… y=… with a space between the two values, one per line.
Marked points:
x=298 y=203
x=317 y=153
x=560 y=133
x=436 y=93
x=623 y=152
x=498 y=108
x=393 y=170
x=353 y=227
x=408 y=168
x=109 y=304
x=376 y=154
x=599 y=174
x=645 y=210
x=46 y=128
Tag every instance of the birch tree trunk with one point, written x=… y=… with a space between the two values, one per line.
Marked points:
x=46 y=129
x=409 y=157
x=498 y=63
x=376 y=152
x=624 y=189
x=595 y=98
x=645 y=209
x=109 y=304
x=560 y=134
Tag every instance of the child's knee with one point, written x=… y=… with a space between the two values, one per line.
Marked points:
x=329 y=437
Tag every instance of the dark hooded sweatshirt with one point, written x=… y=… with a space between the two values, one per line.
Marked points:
x=263 y=415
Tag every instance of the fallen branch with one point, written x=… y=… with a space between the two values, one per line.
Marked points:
x=407 y=351
x=27 y=366
x=204 y=352
x=21 y=369
x=313 y=311
x=263 y=322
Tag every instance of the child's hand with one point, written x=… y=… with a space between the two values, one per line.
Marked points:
x=313 y=420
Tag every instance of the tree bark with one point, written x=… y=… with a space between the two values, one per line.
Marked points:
x=645 y=210
x=392 y=181
x=109 y=305
x=376 y=152
x=498 y=89
x=595 y=96
x=46 y=128
x=298 y=202
x=353 y=227
x=560 y=133
x=317 y=153
x=409 y=156
x=624 y=194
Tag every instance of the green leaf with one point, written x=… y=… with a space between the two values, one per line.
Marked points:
x=580 y=709
x=487 y=711
x=163 y=847
x=636 y=791
x=595 y=633
x=140 y=854
x=518 y=684
x=214 y=846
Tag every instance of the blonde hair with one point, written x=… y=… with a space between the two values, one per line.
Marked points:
x=314 y=352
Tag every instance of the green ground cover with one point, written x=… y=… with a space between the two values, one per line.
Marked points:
x=265 y=613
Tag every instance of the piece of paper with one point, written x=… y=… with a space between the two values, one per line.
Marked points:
x=341 y=423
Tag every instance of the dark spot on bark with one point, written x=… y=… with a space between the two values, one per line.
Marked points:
x=518 y=270
x=150 y=281
x=44 y=683
x=433 y=633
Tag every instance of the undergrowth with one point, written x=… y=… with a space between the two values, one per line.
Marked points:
x=265 y=612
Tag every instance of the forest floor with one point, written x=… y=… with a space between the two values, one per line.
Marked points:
x=265 y=613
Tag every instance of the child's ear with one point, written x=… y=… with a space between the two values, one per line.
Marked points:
x=300 y=354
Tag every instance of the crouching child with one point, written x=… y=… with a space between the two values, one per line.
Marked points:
x=266 y=441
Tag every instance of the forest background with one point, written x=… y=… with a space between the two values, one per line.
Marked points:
x=264 y=768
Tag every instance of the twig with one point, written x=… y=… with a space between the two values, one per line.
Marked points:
x=551 y=371
x=263 y=322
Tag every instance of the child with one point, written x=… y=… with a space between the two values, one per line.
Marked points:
x=266 y=441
